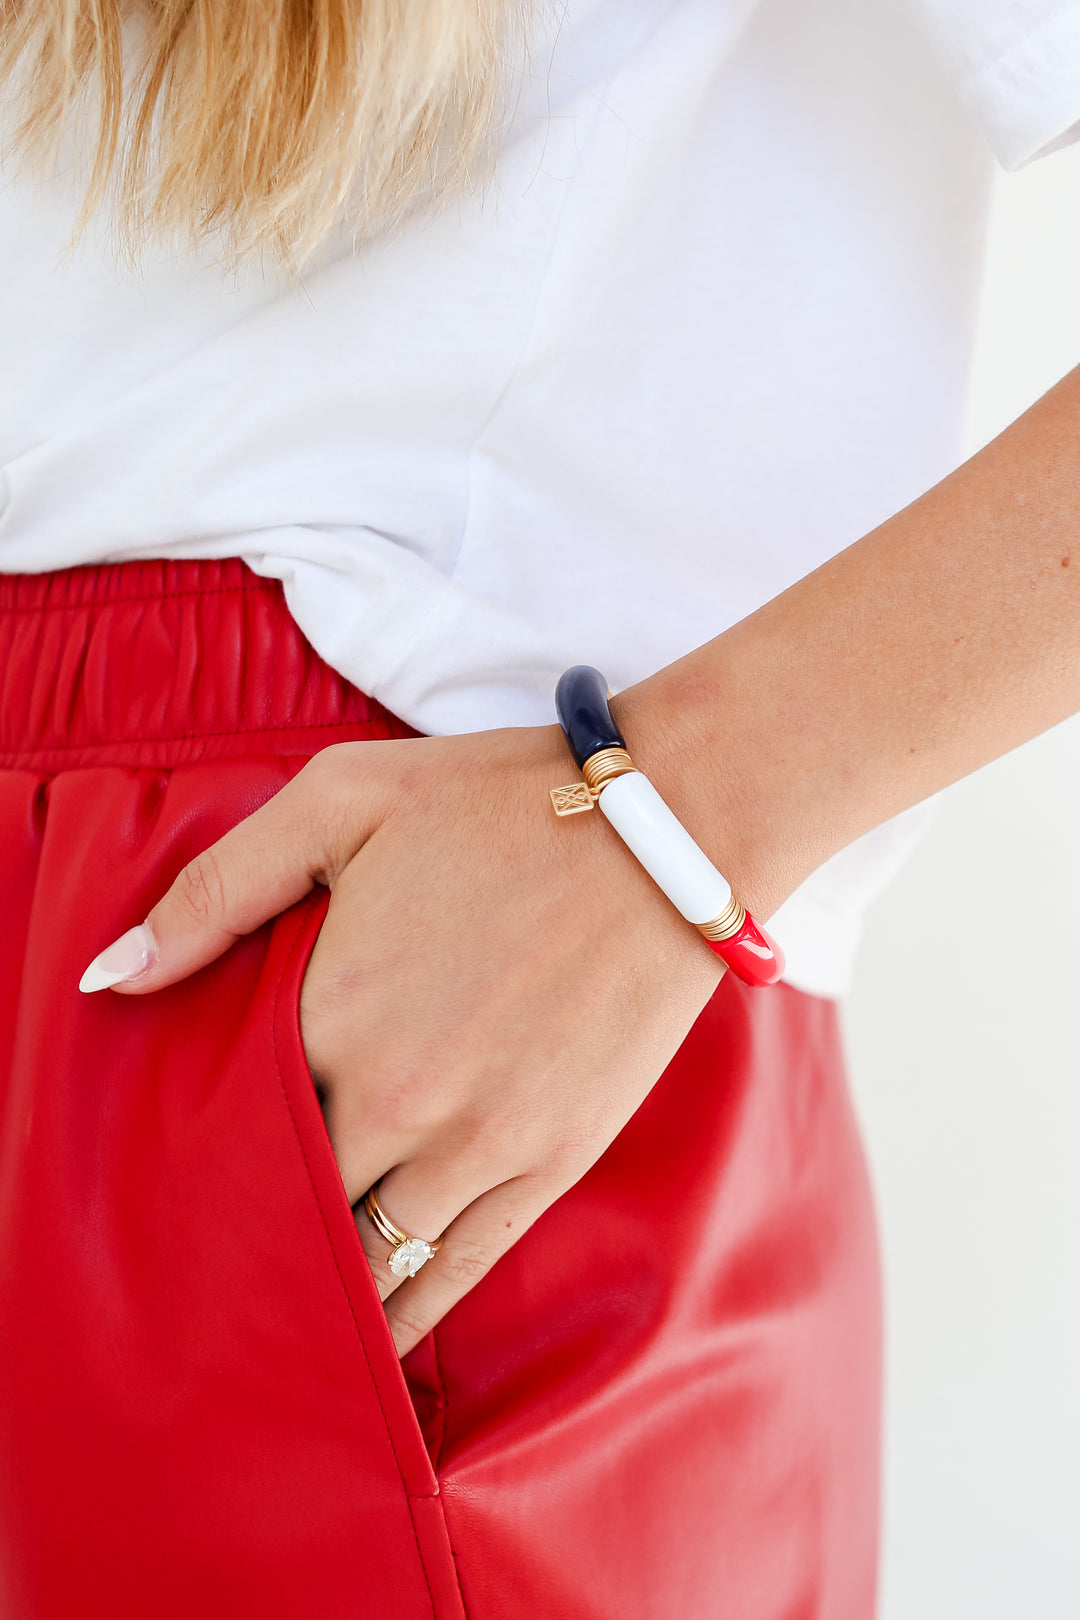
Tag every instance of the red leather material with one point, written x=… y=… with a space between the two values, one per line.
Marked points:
x=661 y=1405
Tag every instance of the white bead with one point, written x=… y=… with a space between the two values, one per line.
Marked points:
x=664 y=847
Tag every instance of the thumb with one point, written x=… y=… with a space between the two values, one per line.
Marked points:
x=260 y=867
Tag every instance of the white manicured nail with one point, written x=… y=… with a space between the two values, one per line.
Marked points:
x=133 y=953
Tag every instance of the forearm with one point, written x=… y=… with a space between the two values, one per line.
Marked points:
x=939 y=641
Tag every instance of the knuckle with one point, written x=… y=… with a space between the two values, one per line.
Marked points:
x=323 y=770
x=411 y=1096
x=466 y=1262
x=199 y=891
x=340 y=790
x=565 y=1157
x=339 y=767
x=409 y=1324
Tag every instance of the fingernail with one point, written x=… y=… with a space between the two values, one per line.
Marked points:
x=126 y=958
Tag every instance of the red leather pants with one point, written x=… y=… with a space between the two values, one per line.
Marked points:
x=661 y=1405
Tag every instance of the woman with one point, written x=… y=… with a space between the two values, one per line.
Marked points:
x=700 y=326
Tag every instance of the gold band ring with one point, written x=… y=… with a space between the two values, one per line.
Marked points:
x=408 y=1253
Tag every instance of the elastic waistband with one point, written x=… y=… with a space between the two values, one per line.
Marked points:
x=159 y=662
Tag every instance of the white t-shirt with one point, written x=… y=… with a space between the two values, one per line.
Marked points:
x=709 y=324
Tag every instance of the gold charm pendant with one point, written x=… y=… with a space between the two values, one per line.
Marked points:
x=572 y=799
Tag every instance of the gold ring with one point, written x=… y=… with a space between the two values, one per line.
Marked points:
x=409 y=1253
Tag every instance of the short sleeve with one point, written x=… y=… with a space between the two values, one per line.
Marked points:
x=1015 y=65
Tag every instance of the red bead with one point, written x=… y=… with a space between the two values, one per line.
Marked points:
x=751 y=955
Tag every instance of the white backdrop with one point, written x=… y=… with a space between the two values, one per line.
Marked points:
x=968 y=1082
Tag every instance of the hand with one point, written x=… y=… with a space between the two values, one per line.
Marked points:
x=493 y=992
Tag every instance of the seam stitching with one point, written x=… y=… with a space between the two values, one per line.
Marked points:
x=437 y=1459
x=18 y=755
x=123 y=601
x=437 y=1462
x=337 y=1268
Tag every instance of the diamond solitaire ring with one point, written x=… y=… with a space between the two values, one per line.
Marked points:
x=408 y=1253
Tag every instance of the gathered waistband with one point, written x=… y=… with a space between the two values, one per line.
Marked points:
x=161 y=662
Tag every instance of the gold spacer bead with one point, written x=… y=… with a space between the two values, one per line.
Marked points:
x=728 y=923
x=605 y=766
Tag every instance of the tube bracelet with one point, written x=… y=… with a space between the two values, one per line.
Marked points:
x=652 y=831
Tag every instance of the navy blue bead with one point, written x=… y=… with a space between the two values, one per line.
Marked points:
x=582 y=707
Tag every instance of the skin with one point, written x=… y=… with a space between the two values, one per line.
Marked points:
x=495 y=991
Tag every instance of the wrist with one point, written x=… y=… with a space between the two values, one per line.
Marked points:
x=654 y=833
x=698 y=750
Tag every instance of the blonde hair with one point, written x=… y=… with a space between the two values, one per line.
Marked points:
x=258 y=124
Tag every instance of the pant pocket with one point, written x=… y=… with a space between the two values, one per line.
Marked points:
x=201 y=1410
x=294 y=939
